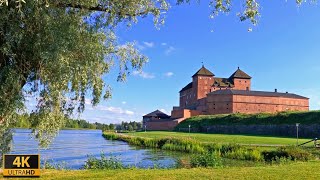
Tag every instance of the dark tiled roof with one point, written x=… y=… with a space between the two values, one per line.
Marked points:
x=203 y=72
x=258 y=93
x=240 y=74
x=157 y=113
x=189 y=86
x=222 y=82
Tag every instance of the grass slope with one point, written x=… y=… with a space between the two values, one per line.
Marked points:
x=310 y=117
x=222 y=138
x=299 y=170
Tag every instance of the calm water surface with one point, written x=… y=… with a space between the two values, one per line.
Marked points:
x=71 y=148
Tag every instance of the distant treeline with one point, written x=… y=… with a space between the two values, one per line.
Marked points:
x=25 y=121
x=129 y=126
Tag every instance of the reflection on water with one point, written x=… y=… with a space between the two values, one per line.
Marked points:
x=72 y=147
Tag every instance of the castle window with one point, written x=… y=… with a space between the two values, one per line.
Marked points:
x=247 y=88
x=239 y=81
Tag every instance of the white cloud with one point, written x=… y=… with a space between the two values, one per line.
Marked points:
x=140 y=47
x=148 y=44
x=143 y=74
x=168 y=74
x=124 y=102
x=163 y=44
x=115 y=110
x=169 y=50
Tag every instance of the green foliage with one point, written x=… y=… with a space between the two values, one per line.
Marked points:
x=129 y=126
x=292 y=153
x=103 y=163
x=51 y=165
x=206 y=160
x=244 y=154
x=58 y=52
x=201 y=122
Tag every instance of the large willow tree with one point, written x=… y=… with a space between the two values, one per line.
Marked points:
x=59 y=51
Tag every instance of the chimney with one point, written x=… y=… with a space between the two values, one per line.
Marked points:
x=275 y=90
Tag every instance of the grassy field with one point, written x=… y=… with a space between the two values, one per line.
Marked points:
x=222 y=138
x=299 y=170
x=309 y=117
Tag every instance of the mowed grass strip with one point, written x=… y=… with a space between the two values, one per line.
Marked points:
x=221 y=138
x=301 y=170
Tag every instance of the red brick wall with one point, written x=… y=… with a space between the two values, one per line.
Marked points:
x=161 y=125
x=242 y=84
x=225 y=104
x=257 y=104
x=187 y=98
x=219 y=104
x=184 y=113
x=203 y=85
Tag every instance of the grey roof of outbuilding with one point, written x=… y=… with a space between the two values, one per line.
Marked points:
x=258 y=93
x=156 y=113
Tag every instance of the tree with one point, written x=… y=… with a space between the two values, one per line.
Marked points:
x=59 y=51
x=130 y=127
x=111 y=126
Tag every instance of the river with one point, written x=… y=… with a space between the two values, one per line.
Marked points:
x=72 y=147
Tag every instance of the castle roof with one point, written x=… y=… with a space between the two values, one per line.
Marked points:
x=189 y=86
x=257 y=93
x=222 y=82
x=240 y=74
x=203 y=72
x=157 y=113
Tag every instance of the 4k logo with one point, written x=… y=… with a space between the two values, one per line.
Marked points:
x=21 y=161
x=21 y=165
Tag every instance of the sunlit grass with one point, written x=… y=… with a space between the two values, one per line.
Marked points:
x=301 y=170
x=222 y=138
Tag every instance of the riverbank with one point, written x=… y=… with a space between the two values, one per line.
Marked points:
x=299 y=170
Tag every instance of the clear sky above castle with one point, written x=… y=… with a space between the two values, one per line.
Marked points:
x=282 y=52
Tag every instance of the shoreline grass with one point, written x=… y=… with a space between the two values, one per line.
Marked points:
x=225 y=150
x=299 y=170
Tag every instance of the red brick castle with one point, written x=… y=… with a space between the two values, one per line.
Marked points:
x=209 y=95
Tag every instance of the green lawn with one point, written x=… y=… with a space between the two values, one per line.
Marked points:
x=309 y=170
x=222 y=138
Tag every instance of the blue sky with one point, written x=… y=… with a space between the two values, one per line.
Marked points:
x=282 y=52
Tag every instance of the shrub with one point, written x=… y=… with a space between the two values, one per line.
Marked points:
x=244 y=154
x=206 y=160
x=293 y=153
x=103 y=163
x=51 y=165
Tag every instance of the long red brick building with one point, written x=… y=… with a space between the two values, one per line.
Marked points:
x=209 y=95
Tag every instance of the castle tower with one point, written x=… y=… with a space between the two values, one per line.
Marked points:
x=202 y=81
x=240 y=80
